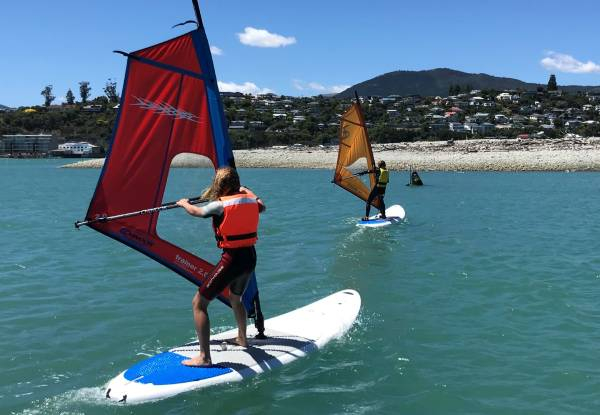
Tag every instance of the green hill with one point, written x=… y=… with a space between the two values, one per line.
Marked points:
x=438 y=81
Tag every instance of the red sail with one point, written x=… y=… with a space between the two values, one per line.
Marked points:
x=170 y=105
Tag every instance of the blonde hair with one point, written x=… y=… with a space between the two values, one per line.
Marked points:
x=225 y=182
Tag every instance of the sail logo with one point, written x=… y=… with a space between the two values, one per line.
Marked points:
x=136 y=237
x=162 y=108
x=185 y=263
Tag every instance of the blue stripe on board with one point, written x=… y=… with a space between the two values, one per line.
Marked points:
x=389 y=219
x=166 y=369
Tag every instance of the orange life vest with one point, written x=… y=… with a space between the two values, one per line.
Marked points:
x=239 y=225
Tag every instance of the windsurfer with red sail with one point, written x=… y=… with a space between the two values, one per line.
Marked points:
x=234 y=210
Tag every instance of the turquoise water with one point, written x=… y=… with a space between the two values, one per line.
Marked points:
x=485 y=301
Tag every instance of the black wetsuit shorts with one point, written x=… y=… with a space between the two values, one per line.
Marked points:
x=233 y=270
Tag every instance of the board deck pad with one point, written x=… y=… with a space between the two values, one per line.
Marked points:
x=394 y=214
x=289 y=336
x=166 y=368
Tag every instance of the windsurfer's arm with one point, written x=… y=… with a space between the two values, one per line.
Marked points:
x=367 y=172
x=261 y=206
x=191 y=209
x=212 y=209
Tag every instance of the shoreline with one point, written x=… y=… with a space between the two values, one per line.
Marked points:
x=567 y=154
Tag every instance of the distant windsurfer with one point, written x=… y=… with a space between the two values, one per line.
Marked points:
x=234 y=210
x=382 y=178
x=415 y=180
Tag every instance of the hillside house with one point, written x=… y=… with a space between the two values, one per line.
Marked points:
x=481 y=116
x=484 y=128
x=456 y=127
x=501 y=119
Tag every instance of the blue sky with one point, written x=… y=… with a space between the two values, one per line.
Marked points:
x=314 y=46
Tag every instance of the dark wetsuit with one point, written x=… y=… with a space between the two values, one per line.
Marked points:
x=415 y=180
x=376 y=192
x=233 y=269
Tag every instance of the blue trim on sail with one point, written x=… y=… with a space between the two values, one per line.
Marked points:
x=224 y=152
x=222 y=145
x=250 y=293
x=112 y=136
x=215 y=106
x=169 y=67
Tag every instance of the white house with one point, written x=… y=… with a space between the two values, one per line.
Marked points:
x=457 y=127
x=504 y=96
x=78 y=149
x=481 y=116
x=484 y=128
x=501 y=119
x=237 y=125
x=298 y=118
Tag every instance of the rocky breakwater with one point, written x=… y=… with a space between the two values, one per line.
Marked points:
x=463 y=155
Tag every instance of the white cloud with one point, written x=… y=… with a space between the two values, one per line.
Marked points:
x=264 y=39
x=298 y=84
x=338 y=88
x=216 y=51
x=245 y=88
x=318 y=88
x=567 y=63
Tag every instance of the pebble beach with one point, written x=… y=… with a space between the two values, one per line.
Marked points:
x=567 y=154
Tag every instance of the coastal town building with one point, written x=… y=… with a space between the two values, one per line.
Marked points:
x=77 y=149
x=35 y=145
x=484 y=128
x=92 y=108
x=272 y=119
x=456 y=127
x=237 y=125
x=4 y=108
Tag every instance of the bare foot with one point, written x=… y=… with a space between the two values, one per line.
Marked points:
x=237 y=342
x=196 y=362
x=241 y=342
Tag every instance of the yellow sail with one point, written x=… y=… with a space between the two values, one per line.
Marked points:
x=355 y=155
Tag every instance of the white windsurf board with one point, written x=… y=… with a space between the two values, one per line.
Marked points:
x=289 y=337
x=394 y=214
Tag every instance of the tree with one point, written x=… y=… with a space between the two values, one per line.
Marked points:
x=47 y=94
x=84 y=91
x=559 y=123
x=110 y=90
x=70 y=97
x=552 y=83
x=452 y=90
